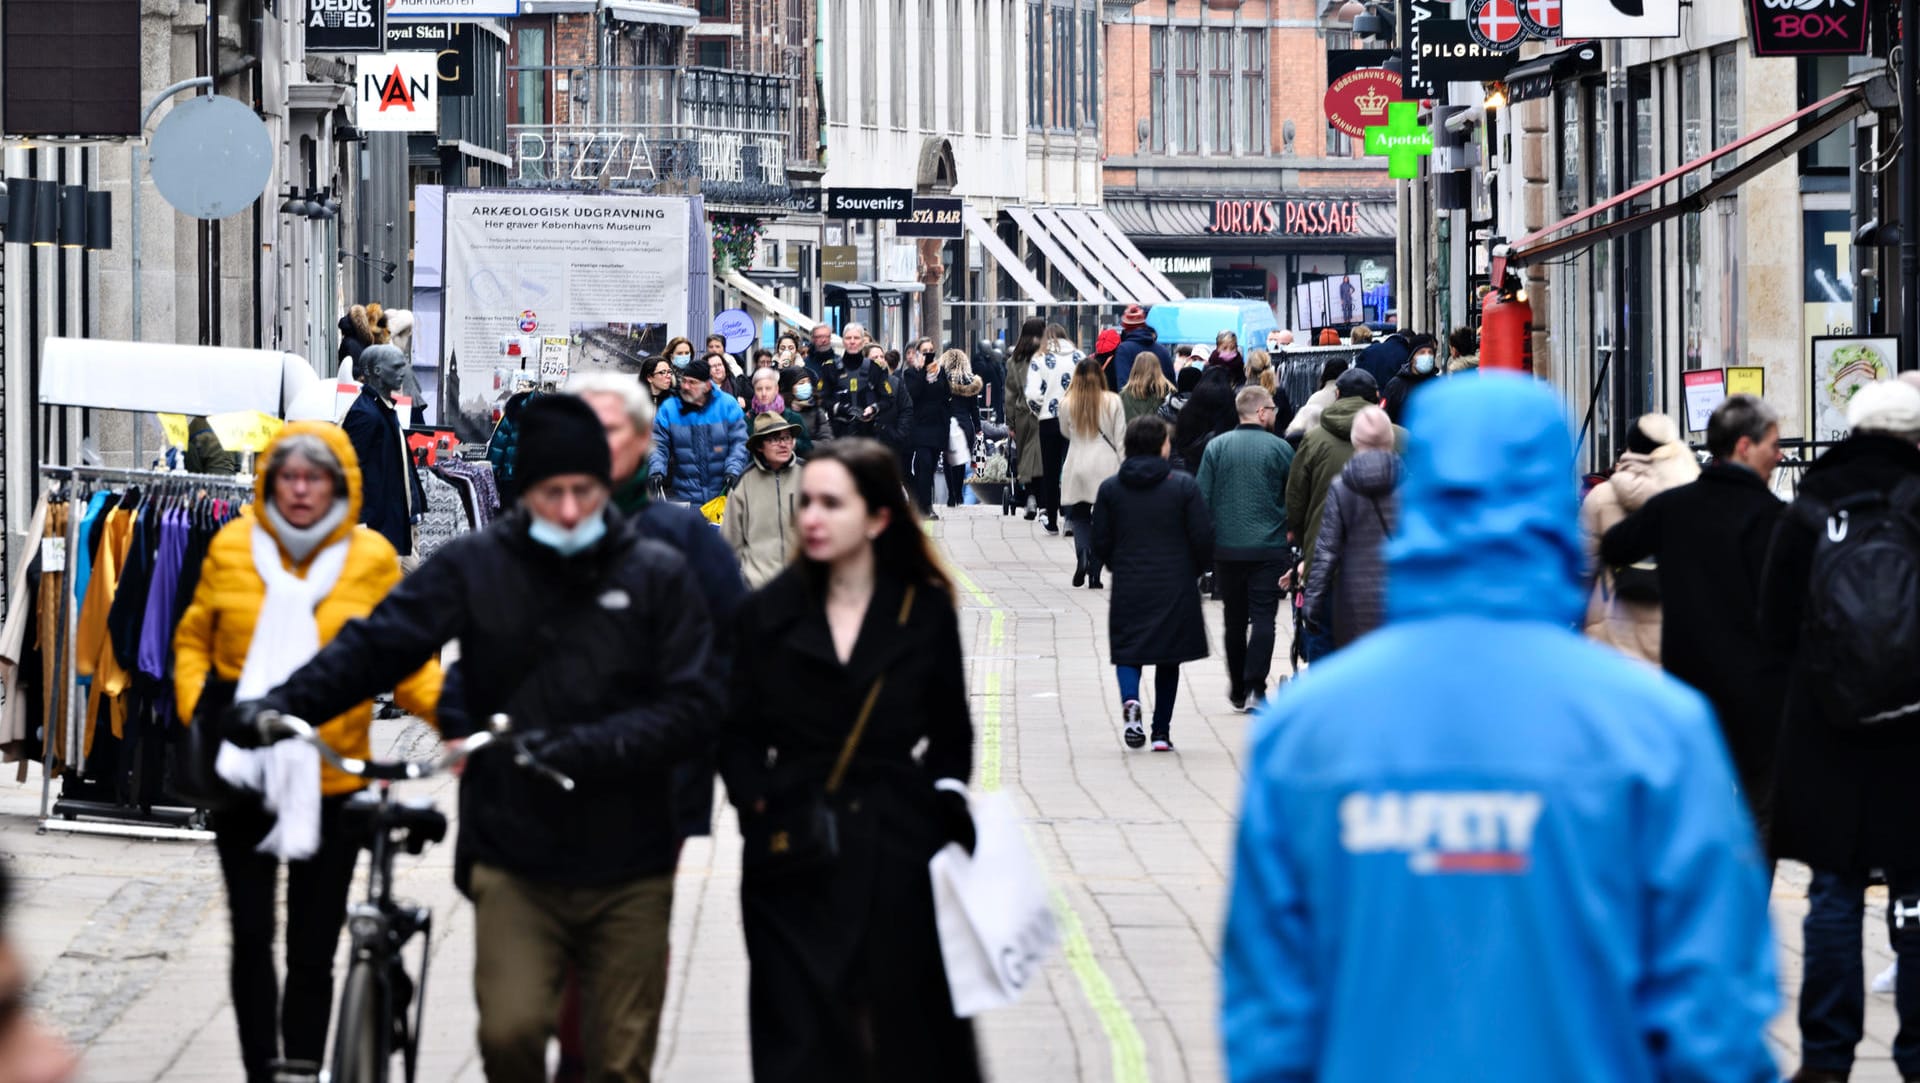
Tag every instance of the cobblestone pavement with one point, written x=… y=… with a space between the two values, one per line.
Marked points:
x=128 y=937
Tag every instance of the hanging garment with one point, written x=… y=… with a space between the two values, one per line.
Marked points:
x=94 y=653
x=156 y=628
x=56 y=662
x=15 y=725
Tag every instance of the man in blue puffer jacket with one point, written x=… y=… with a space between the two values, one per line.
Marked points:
x=699 y=441
x=1532 y=868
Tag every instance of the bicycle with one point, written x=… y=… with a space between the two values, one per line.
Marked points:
x=381 y=1007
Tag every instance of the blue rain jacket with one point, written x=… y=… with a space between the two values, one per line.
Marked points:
x=697 y=450
x=1478 y=846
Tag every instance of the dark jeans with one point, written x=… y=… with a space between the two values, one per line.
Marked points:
x=1833 y=987
x=1166 y=685
x=926 y=463
x=1081 y=516
x=1250 y=590
x=316 y=909
x=1053 y=460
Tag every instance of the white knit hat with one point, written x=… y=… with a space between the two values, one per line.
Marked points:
x=1887 y=406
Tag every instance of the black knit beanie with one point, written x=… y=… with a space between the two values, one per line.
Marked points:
x=560 y=434
x=1639 y=442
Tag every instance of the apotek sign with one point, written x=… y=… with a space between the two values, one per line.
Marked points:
x=1300 y=217
x=1808 y=27
x=346 y=26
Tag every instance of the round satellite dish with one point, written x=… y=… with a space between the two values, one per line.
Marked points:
x=212 y=157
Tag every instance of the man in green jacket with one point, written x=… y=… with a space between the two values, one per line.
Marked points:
x=1324 y=452
x=1243 y=477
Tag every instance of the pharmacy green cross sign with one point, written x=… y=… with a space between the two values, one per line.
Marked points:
x=1403 y=139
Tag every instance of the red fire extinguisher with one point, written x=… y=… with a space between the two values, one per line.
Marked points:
x=1506 y=331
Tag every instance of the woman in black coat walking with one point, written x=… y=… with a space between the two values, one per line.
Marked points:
x=863 y=643
x=1152 y=529
x=925 y=382
x=1207 y=414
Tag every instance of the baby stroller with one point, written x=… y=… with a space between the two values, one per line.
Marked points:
x=1293 y=588
x=997 y=439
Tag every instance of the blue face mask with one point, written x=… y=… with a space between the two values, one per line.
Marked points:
x=569 y=542
x=1423 y=363
x=803 y=392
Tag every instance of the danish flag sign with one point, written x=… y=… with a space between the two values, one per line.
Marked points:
x=1541 y=18
x=1495 y=24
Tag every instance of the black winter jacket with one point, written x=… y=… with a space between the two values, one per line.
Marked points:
x=604 y=655
x=932 y=407
x=1710 y=538
x=1845 y=801
x=386 y=472
x=1151 y=527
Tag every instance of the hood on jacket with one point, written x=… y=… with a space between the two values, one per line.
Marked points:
x=1144 y=471
x=1372 y=473
x=1639 y=478
x=361 y=320
x=1337 y=417
x=1144 y=335
x=972 y=386
x=336 y=440
x=1489 y=510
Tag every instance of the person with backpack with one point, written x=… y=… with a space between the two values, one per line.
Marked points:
x=1710 y=538
x=1850 y=738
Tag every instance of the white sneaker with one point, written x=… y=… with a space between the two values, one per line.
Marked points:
x=1883 y=981
x=1136 y=732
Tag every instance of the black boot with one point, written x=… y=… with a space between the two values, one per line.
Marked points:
x=1079 y=569
x=1093 y=580
x=956 y=485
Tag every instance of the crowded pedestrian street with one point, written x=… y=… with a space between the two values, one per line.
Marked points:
x=128 y=948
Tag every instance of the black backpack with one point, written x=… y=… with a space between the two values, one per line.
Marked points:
x=1861 y=633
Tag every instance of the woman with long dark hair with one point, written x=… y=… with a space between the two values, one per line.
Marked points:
x=838 y=815
x=1094 y=424
x=656 y=373
x=1020 y=416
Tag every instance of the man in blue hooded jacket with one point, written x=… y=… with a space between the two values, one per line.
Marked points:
x=1535 y=867
x=699 y=441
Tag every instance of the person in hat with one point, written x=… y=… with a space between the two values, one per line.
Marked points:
x=759 y=520
x=595 y=640
x=699 y=440
x=1104 y=346
x=1137 y=338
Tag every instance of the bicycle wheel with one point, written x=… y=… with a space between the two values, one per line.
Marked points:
x=359 y=1047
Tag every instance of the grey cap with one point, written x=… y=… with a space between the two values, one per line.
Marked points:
x=1358 y=383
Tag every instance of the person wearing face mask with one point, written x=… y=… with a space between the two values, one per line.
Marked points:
x=595 y=639
x=1421 y=366
x=680 y=353
x=802 y=393
x=769 y=397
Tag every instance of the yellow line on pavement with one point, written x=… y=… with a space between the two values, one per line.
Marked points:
x=1127 y=1048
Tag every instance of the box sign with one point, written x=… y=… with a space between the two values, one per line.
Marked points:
x=346 y=26
x=893 y=203
x=397 y=92
x=933 y=216
x=1358 y=100
x=1299 y=217
x=452 y=9
x=1807 y=27
x=451 y=44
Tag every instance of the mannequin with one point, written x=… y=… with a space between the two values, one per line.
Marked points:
x=391 y=497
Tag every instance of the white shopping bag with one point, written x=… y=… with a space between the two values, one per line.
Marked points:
x=995 y=921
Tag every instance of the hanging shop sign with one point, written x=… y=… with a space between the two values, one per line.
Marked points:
x=1442 y=50
x=893 y=203
x=1301 y=217
x=839 y=263
x=1360 y=99
x=1402 y=140
x=1495 y=24
x=452 y=47
x=1541 y=18
x=804 y=201
x=397 y=92
x=346 y=26
x=1624 y=19
x=1808 y=27
x=1704 y=390
x=933 y=216
x=452 y=9
x=1342 y=61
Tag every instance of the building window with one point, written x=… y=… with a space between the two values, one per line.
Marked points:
x=711 y=54
x=983 y=90
x=1254 y=98
x=1009 y=30
x=715 y=10
x=927 y=92
x=956 y=71
x=1157 y=88
x=1185 y=136
x=869 y=65
x=1602 y=156
x=1570 y=155
x=1220 y=91
x=1726 y=108
x=837 y=59
x=1640 y=113
x=1090 y=41
x=1821 y=77
x=896 y=67
x=1036 y=66
x=532 y=54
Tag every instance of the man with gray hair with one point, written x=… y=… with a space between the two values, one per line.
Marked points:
x=1243 y=478
x=1710 y=540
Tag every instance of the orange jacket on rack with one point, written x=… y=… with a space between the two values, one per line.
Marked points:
x=217 y=629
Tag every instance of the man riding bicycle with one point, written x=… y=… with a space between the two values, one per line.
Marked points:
x=595 y=641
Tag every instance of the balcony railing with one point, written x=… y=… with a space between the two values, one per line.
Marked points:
x=643 y=127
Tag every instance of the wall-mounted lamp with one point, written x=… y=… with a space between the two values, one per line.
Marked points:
x=1496 y=96
x=44 y=231
x=99 y=221
x=73 y=216
x=317 y=206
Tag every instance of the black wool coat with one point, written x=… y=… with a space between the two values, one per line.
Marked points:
x=386 y=471
x=1151 y=528
x=1845 y=801
x=932 y=406
x=1710 y=538
x=852 y=947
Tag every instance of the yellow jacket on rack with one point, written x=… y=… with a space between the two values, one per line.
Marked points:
x=217 y=629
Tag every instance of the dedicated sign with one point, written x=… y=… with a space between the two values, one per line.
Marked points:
x=346 y=26
x=870 y=203
x=1359 y=100
x=1808 y=27
x=933 y=216
x=397 y=92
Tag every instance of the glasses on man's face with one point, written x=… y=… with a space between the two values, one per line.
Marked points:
x=781 y=438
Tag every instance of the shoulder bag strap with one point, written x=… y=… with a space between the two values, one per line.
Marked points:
x=845 y=761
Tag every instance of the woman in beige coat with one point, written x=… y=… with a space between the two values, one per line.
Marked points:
x=1095 y=425
x=1620 y=611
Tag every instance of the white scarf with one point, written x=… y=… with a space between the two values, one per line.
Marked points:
x=285 y=637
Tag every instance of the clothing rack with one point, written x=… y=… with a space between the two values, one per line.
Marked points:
x=102 y=817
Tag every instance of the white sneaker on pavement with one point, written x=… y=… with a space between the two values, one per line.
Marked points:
x=1136 y=733
x=1883 y=981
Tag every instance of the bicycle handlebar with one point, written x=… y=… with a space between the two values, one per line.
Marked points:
x=275 y=726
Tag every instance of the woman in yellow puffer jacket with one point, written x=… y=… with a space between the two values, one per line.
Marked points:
x=250 y=626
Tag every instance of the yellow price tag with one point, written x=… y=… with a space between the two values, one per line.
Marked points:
x=175 y=426
x=1747 y=380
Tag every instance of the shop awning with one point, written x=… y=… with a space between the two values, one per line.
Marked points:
x=1807 y=127
x=1537 y=77
x=1140 y=262
x=1057 y=256
x=982 y=231
x=768 y=302
x=1116 y=269
x=772 y=276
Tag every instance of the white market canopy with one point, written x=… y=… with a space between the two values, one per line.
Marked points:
x=168 y=378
